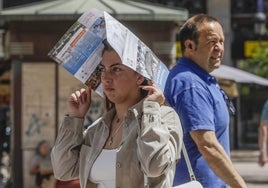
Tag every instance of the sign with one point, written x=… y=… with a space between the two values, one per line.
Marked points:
x=251 y=45
x=178 y=49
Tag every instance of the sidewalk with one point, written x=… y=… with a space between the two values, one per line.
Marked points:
x=246 y=163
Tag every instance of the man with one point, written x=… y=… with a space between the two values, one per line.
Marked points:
x=201 y=105
x=263 y=130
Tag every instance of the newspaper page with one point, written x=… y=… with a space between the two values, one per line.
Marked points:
x=79 y=50
x=134 y=53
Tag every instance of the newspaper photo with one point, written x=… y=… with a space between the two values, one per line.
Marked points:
x=80 y=49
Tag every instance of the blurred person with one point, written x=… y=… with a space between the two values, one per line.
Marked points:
x=5 y=170
x=137 y=137
x=263 y=130
x=41 y=166
x=202 y=105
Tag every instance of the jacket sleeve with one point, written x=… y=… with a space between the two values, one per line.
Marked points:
x=159 y=139
x=65 y=152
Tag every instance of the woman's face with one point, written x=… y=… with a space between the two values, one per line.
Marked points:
x=120 y=83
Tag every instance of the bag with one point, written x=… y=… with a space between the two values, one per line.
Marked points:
x=193 y=183
x=190 y=184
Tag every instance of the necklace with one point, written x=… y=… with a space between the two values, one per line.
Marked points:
x=111 y=140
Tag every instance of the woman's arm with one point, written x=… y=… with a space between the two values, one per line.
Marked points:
x=159 y=140
x=65 y=152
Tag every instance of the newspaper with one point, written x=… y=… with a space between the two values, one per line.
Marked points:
x=79 y=50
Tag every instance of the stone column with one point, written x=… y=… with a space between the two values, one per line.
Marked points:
x=222 y=11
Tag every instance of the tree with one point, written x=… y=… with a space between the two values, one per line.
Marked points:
x=258 y=63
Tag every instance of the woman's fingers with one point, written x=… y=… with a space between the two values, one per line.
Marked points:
x=82 y=96
x=79 y=102
x=154 y=94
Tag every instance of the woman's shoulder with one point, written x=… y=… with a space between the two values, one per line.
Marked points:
x=168 y=109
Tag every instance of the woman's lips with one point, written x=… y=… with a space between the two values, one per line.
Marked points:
x=108 y=89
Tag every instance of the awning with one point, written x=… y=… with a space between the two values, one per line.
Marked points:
x=72 y=9
x=239 y=76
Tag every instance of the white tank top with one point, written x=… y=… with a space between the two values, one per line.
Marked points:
x=103 y=170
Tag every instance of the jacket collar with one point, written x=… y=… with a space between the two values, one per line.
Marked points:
x=134 y=111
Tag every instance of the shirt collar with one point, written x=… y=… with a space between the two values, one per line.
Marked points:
x=197 y=69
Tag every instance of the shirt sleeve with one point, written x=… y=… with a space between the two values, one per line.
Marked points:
x=65 y=152
x=195 y=106
x=159 y=140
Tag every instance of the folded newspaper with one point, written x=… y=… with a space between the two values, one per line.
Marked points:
x=79 y=50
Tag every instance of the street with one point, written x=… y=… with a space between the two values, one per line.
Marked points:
x=246 y=164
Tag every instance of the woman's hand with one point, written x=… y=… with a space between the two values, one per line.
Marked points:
x=79 y=102
x=154 y=93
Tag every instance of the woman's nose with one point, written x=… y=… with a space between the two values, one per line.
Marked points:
x=106 y=76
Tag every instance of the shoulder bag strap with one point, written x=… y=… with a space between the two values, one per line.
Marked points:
x=188 y=163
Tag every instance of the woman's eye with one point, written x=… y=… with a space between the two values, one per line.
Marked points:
x=116 y=69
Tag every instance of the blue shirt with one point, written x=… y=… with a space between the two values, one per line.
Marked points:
x=200 y=103
x=264 y=114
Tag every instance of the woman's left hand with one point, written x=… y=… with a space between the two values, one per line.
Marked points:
x=154 y=94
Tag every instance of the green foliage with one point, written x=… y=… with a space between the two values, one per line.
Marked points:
x=258 y=64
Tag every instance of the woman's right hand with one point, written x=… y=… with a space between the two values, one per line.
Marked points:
x=79 y=102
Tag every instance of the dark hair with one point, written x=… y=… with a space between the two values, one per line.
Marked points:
x=191 y=28
x=37 y=149
x=107 y=46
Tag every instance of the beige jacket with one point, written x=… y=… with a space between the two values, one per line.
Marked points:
x=151 y=144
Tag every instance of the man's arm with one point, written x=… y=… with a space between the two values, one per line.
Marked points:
x=263 y=143
x=217 y=158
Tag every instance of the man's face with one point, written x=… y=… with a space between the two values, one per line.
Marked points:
x=209 y=51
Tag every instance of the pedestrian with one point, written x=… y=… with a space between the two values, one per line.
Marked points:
x=5 y=170
x=137 y=139
x=41 y=166
x=263 y=129
x=201 y=105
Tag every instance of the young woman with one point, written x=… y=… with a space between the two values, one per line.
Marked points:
x=135 y=144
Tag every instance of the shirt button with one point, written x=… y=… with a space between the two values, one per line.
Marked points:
x=118 y=165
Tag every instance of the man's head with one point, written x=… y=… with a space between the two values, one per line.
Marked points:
x=202 y=41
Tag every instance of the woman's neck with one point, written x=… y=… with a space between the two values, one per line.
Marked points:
x=121 y=108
